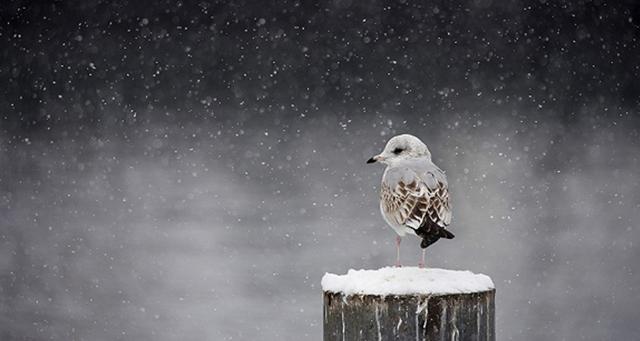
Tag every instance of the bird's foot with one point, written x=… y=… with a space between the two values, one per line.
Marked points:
x=398 y=265
x=421 y=264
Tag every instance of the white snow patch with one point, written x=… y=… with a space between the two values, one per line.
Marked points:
x=406 y=281
x=378 y=323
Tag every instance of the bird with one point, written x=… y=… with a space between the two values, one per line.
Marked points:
x=414 y=194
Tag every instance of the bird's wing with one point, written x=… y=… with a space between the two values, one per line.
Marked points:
x=439 y=210
x=409 y=198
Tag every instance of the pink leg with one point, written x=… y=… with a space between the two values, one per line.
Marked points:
x=421 y=264
x=398 y=239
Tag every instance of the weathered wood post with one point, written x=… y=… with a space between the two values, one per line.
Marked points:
x=408 y=304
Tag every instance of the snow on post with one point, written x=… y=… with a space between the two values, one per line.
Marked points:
x=408 y=304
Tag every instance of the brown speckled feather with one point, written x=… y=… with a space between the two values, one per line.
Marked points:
x=409 y=199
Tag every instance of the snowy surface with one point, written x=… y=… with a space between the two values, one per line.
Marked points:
x=406 y=280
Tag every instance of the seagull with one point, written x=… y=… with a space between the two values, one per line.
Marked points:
x=414 y=195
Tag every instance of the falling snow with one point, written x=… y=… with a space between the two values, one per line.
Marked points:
x=189 y=170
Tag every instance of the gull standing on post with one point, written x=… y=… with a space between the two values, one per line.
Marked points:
x=414 y=196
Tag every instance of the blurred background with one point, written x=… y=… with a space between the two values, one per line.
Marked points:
x=189 y=171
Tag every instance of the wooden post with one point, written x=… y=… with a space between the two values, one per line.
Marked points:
x=463 y=316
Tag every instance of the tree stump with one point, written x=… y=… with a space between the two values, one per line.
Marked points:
x=408 y=304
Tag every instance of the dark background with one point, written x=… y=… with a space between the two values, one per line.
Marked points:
x=188 y=171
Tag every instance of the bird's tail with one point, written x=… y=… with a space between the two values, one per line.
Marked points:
x=446 y=234
x=432 y=238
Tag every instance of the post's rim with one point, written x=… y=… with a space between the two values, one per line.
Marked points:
x=400 y=296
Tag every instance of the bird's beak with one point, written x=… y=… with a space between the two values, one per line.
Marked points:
x=374 y=159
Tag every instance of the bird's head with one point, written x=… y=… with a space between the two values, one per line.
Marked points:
x=401 y=147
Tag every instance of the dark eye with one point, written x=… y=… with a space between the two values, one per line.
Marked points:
x=397 y=151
